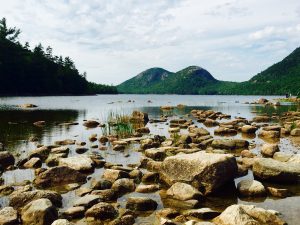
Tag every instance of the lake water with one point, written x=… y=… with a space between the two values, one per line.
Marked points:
x=16 y=127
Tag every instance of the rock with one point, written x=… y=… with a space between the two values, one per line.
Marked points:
x=6 y=190
x=106 y=195
x=53 y=159
x=279 y=192
x=6 y=159
x=100 y=184
x=74 y=212
x=28 y=106
x=273 y=170
x=8 y=216
x=156 y=154
x=33 y=163
x=65 y=142
x=79 y=163
x=261 y=119
x=91 y=124
x=123 y=186
x=281 y=156
x=248 y=129
x=262 y=101
x=87 y=201
x=143 y=130
x=39 y=212
x=83 y=191
x=102 y=211
x=251 y=188
x=272 y=134
x=61 y=149
x=141 y=204
x=203 y=213
x=150 y=177
x=81 y=150
x=62 y=222
x=225 y=131
x=268 y=150
x=112 y=175
x=139 y=117
x=247 y=154
x=273 y=128
x=41 y=153
x=183 y=191
x=295 y=132
x=124 y=220
x=57 y=176
x=196 y=169
x=179 y=204
x=210 y=123
x=168 y=213
x=246 y=215
x=229 y=144
x=20 y=199
x=39 y=123
x=147 y=188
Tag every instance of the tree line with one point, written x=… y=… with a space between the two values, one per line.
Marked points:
x=38 y=72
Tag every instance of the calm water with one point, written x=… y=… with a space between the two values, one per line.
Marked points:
x=16 y=126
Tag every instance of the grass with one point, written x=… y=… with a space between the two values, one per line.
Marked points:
x=118 y=124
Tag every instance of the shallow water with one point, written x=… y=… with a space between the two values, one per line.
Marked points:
x=16 y=127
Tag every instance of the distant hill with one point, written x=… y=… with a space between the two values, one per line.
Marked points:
x=279 y=79
x=38 y=72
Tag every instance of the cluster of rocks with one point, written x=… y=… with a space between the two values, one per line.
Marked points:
x=185 y=169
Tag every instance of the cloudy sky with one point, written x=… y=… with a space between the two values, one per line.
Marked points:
x=113 y=40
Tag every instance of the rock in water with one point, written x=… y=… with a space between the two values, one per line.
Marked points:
x=57 y=176
x=205 y=171
x=80 y=163
x=251 y=188
x=102 y=211
x=247 y=215
x=141 y=204
x=6 y=159
x=8 y=216
x=183 y=191
x=273 y=170
x=39 y=212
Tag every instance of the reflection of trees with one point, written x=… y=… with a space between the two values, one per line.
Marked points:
x=17 y=125
x=267 y=109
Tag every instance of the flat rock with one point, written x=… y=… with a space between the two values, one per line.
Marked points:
x=246 y=215
x=102 y=211
x=87 y=201
x=273 y=170
x=57 y=176
x=144 y=188
x=203 y=213
x=79 y=163
x=141 y=204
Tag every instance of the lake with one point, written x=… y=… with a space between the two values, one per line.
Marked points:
x=16 y=127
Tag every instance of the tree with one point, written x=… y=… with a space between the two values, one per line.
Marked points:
x=49 y=51
x=10 y=34
x=27 y=46
x=39 y=50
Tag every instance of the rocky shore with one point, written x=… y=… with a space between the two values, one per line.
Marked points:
x=199 y=159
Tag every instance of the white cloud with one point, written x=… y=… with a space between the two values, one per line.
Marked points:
x=114 y=40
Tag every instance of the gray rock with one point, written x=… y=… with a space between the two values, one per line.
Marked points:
x=183 y=191
x=9 y=216
x=251 y=188
x=80 y=163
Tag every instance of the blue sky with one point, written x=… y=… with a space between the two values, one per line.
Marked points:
x=113 y=40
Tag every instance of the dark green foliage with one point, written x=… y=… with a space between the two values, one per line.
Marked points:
x=279 y=79
x=38 y=72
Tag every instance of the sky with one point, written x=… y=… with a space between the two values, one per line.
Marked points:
x=114 y=40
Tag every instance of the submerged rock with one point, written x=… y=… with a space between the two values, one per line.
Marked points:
x=206 y=172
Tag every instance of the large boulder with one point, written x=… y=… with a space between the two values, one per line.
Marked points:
x=205 y=171
x=273 y=170
x=39 y=212
x=8 y=216
x=19 y=200
x=80 y=163
x=247 y=215
x=57 y=176
x=6 y=159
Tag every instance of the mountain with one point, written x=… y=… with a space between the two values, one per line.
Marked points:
x=38 y=71
x=191 y=80
x=279 y=79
